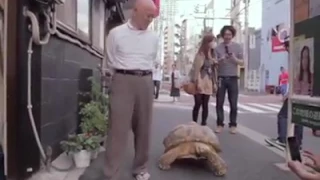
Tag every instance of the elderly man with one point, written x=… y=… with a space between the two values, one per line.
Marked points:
x=132 y=50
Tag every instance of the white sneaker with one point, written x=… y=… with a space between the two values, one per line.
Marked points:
x=143 y=176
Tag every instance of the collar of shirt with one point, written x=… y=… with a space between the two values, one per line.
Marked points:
x=132 y=27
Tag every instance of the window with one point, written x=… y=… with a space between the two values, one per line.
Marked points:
x=98 y=24
x=84 y=20
x=102 y=27
x=83 y=15
x=74 y=15
x=66 y=14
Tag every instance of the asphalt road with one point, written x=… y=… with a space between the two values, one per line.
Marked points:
x=247 y=158
x=258 y=113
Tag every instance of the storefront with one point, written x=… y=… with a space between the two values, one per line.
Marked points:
x=59 y=67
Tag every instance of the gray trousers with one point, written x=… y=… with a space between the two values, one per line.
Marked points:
x=131 y=104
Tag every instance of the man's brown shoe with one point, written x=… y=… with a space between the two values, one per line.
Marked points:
x=233 y=130
x=218 y=129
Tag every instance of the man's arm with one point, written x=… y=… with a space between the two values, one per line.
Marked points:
x=157 y=46
x=238 y=57
x=110 y=46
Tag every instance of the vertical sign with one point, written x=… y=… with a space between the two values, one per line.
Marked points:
x=157 y=3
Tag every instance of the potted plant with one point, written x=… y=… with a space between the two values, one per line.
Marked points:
x=93 y=121
x=94 y=114
x=93 y=145
x=80 y=146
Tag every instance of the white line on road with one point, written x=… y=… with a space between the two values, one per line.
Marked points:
x=258 y=138
x=264 y=107
x=185 y=94
x=242 y=95
x=275 y=105
x=251 y=109
x=226 y=108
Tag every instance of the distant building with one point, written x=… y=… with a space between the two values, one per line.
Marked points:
x=273 y=55
x=254 y=61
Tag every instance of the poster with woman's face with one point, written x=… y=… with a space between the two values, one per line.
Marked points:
x=303 y=66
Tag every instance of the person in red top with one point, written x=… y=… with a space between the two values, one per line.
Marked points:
x=283 y=81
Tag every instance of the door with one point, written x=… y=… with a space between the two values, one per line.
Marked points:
x=3 y=29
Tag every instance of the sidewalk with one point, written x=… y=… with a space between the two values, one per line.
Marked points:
x=247 y=160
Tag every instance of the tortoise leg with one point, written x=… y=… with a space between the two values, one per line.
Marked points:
x=214 y=161
x=168 y=158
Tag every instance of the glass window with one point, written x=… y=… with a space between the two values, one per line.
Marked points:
x=83 y=15
x=102 y=27
x=66 y=13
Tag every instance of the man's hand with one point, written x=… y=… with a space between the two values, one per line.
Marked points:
x=315 y=164
x=235 y=59
x=221 y=59
x=300 y=170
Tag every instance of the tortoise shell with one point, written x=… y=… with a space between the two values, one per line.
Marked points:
x=191 y=132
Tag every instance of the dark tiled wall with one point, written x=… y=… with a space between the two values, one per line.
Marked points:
x=61 y=68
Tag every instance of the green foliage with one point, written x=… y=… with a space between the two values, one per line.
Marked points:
x=93 y=121
x=76 y=143
x=94 y=114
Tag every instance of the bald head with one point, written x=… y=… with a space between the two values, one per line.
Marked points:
x=143 y=14
x=145 y=5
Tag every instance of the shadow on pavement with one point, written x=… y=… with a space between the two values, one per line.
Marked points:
x=246 y=159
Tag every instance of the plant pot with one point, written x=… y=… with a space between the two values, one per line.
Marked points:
x=94 y=154
x=82 y=159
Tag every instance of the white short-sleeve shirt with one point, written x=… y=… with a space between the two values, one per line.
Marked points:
x=131 y=49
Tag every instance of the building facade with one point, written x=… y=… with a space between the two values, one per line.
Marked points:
x=235 y=19
x=273 y=55
x=254 y=60
x=60 y=65
x=168 y=12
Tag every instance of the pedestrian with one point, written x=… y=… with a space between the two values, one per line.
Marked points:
x=203 y=75
x=283 y=81
x=175 y=83
x=131 y=95
x=157 y=77
x=282 y=122
x=229 y=56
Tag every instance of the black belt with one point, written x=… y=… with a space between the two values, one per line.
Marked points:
x=228 y=77
x=134 y=72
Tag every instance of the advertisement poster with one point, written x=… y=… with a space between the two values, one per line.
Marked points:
x=303 y=66
x=306 y=68
x=278 y=35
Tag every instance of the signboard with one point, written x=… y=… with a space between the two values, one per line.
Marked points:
x=157 y=3
x=304 y=68
x=306 y=115
x=278 y=34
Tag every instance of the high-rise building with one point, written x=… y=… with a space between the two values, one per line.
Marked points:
x=168 y=12
x=235 y=19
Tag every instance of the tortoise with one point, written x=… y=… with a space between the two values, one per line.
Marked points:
x=193 y=141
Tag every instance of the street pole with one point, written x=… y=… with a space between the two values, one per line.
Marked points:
x=204 y=20
x=246 y=43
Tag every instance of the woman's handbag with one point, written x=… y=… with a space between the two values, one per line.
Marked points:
x=190 y=88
